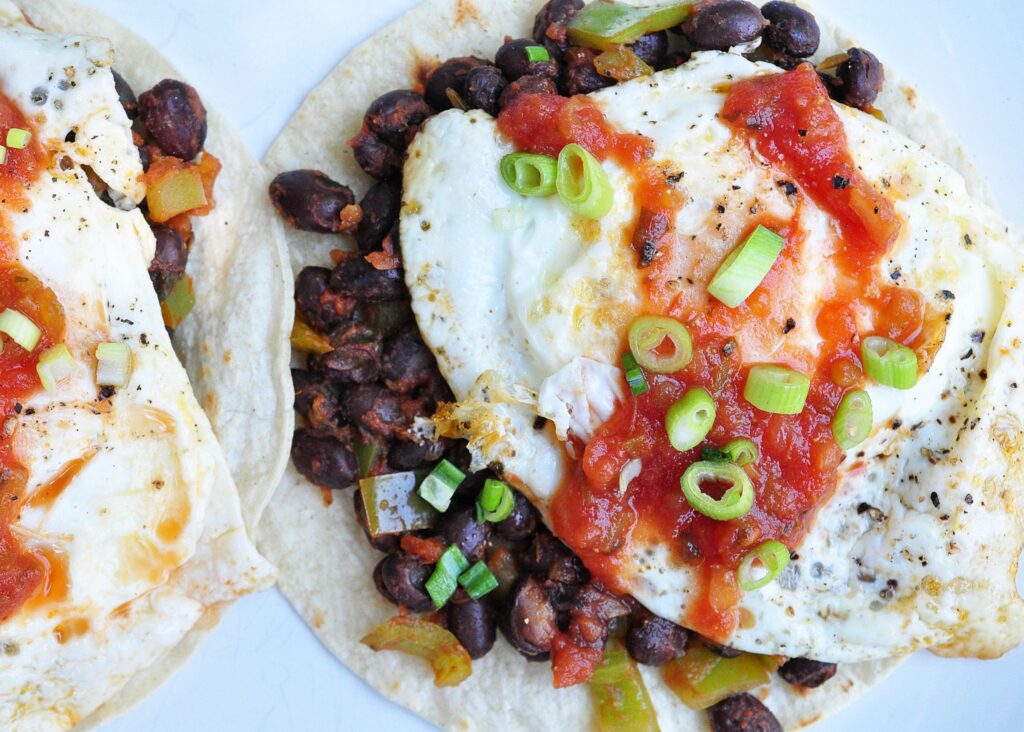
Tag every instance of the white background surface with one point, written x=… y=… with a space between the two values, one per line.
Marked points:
x=255 y=61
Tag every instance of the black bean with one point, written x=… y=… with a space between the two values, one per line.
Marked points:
x=175 y=118
x=484 y=86
x=719 y=650
x=521 y=523
x=318 y=401
x=408 y=455
x=408 y=363
x=386 y=543
x=542 y=553
x=526 y=86
x=651 y=48
x=718 y=25
x=353 y=276
x=673 y=60
x=352 y=363
x=169 y=259
x=403 y=579
x=145 y=157
x=396 y=117
x=792 y=30
x=528 y=621
x=323 y=308
x=376 y=157
x=580 y=76
x=460 y=527
x=549 y=26
x=859 y=79
x=323 y=460
x=514 y=63
x=655 y=641
x=451 y=75
x=807 y=673
x=473 y=623
x=742 y=713
x=567 y=570
x=311 y=201
x=125 y=95
x=380 y=206
x=376 y=410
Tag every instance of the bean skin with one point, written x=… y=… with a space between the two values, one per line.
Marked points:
x=859 y=79
x=380 y=207
x=549 y=26
x=376 y=157
x=521 y=523
x=525 y=86
x=125 y=95
x=396 y=117
x=473 y=623
x=323 y=460
x=807 y=673
x=514 y=63
x=175 y=118
x=408 y=363
x=651 y=48
x=655 y=641
x=169 y=259
x=309 y=200
x=323 y=308
x=529 y=619
x=484 y=86
x=718 y=25
x=792 y=30
x=580 y=76
x=742 y=713
x=403 y=580
x=352 y=363
x=354 y=277
x=449 y=75
x=460 y=527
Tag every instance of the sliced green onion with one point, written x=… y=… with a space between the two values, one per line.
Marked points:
x=741 y=451
x=762 y=565
x=3 y=154
x=582 y=183
x=537 y=53
x=744 y=269
x=20 y=329
x=508 y=219
x=55 y=365
x=445 y=578
x=889 y=363
x=630 y=471
x=690 y=419
x=736 y=501
x=776 y=389
x=495 y=501
x=853 y=420
x=18 y=138
x=530 y=175
x=478 y=580
x=438 y=488
x=634 y=374
x=647 y=337
x=113 y=364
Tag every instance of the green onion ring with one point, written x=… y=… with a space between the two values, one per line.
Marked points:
x=649 y=332
x=773 y=556
x=889 y=363
x=854 y=419
x=690 y=419
x=634 y=374
x=438 y=488
x=776 y=389
x=741 y=451
x=737 y=500
x=744 y=269
x=530 y=175
x=582 y=183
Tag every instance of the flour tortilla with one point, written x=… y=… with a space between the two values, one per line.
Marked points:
x=325 y=562
x=235 y=342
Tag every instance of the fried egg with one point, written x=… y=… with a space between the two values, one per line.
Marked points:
x=918 y=546
x=129 y=497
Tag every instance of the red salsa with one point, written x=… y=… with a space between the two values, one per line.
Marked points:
x=26 y=574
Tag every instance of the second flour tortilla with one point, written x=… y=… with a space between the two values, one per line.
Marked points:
x=324 y=560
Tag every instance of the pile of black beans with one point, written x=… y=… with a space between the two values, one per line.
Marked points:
x=375 y=382
x=171 y=119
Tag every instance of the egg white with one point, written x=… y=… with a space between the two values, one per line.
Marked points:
x=518 y=319
x=150 y=528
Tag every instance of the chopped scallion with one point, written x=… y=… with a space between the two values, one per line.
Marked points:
x=18 y=138
x=537 y=53
x=690 y=419
x=495 y=501
x=776 y=389
x=744 y=269
x=853 y=420
x=20 y=329
x=530 y=175
x=662 y=345
x=478 y=580
x=55 y=365
x=741 y=451
x=438 y=488
x=113 y=364
x=582 y=183
x=736 y=501
x=3 y=154
x=889 y=363
x=634 y=374
x=445 y=578
x=762 y=565
x=630 y=471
